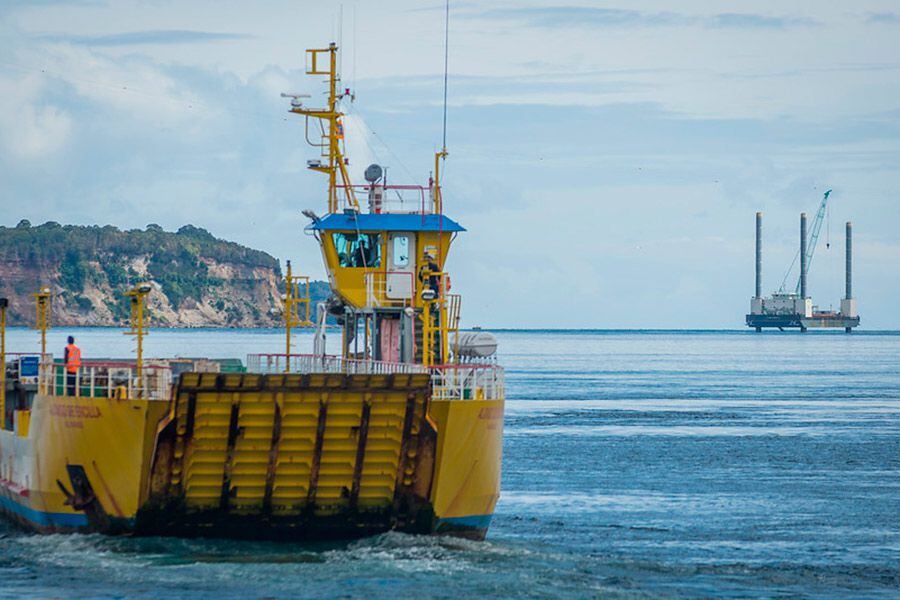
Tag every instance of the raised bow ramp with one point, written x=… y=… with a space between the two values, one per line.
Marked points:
x=290 y=456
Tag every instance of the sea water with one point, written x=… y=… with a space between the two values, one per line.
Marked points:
x=635 y=464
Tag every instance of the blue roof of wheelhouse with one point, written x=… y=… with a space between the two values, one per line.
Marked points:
x=385 y=222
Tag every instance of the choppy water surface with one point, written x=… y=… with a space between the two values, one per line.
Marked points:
x=636 y=464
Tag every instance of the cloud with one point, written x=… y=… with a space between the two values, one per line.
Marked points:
x=10 y=5
x=583 y=16
x=662 y=145
x=884 y=18
x=87 y=82
x=454 y=7
x=753 y=21
x=31 y=129
x=583 y=88
x=152 y=36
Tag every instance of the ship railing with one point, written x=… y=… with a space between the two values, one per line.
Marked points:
x=106 y=379
x=468 y=381
x=464 y=381
x=395 y=199
x=390 y=289
x=25 y=365
x=18 y=355
x=310 y=363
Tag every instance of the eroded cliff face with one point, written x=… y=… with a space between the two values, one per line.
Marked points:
x=197 y=280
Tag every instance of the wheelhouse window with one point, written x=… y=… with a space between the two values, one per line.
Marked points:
x=358 y=249
x=401 y=251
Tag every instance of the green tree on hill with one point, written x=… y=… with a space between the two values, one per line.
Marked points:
x=75 y=256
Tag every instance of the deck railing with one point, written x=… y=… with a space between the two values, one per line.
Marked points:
x=26 y=365
x=106 y=379
x=309 y=363
x=466 y=381
x=397 y=199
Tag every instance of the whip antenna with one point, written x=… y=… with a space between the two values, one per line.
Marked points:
x=446 y=61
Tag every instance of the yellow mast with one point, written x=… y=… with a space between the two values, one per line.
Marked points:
x=42 y=322
x=3 y=304
x=293 y=298
x=437 y=197
x=333 y=133
x=138 y=295
x=288 y=317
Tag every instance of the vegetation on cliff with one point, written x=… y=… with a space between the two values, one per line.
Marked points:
x=199 y=280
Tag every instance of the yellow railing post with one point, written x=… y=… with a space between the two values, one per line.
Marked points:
x=138 y=295
x=42 y=300
x=3 y=304
x=445 y=334
x=453 y=308
x=288 y=314
x=293 y=298
x=427 y=334
x=436 y=194
x=428 y=327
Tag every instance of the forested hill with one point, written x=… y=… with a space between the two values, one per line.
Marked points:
x=198 y=280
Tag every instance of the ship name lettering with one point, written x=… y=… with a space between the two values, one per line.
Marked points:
x=74 y=411
x=489 y=412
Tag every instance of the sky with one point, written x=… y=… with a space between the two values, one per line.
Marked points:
x=607 y=158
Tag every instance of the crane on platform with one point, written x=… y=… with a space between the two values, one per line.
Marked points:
x=810 y=246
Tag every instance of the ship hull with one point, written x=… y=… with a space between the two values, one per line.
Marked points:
x=257 y=457
x=77 y=464
x=467 y=476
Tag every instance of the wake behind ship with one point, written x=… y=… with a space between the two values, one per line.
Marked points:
x=402 y=430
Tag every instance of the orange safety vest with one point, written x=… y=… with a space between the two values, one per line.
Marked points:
x=73 y=359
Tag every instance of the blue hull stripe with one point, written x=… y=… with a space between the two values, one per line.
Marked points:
x=467 y=522
x=41 y=518
x=73 y=520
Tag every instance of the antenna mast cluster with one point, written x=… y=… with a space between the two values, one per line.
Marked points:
x=331 y=130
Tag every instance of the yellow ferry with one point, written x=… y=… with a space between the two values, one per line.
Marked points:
x=402 y=430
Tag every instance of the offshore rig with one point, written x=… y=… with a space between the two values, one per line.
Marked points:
x=785 y=309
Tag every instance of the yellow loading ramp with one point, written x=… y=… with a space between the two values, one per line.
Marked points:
x=292 y=456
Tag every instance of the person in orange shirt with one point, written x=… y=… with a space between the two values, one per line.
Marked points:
x=72 y=357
